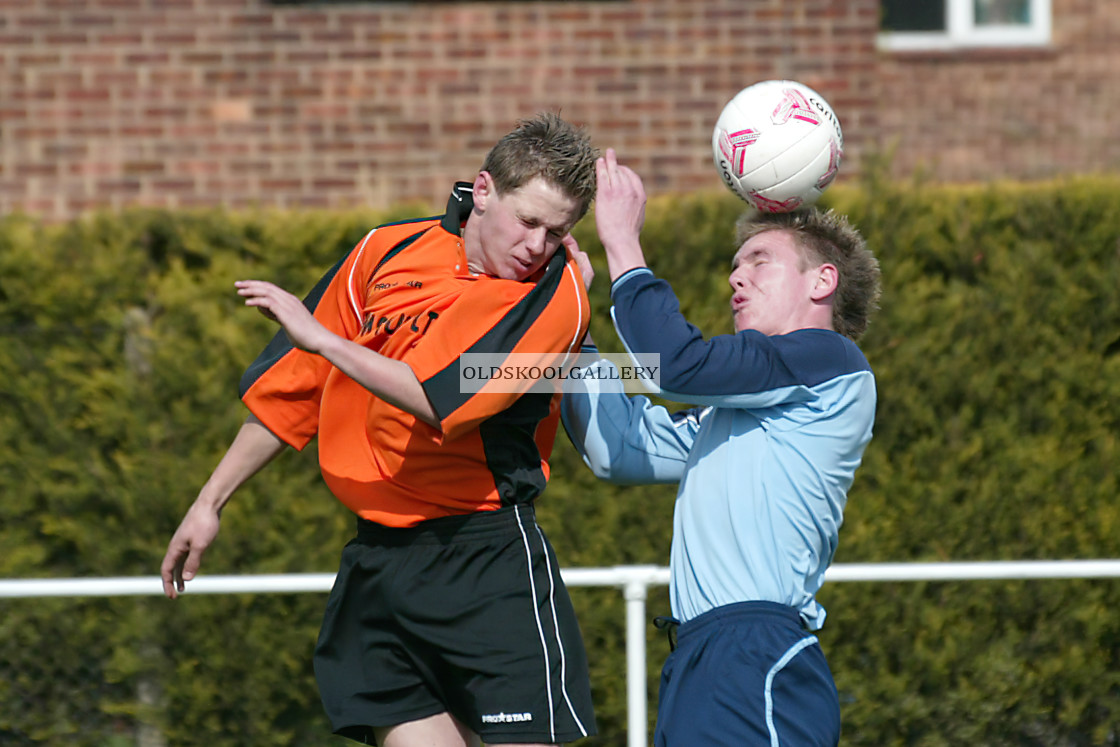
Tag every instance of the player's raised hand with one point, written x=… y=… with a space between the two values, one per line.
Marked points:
x=620 y=212
x=277 y=304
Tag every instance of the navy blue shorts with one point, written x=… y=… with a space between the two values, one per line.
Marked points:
x=747 y=674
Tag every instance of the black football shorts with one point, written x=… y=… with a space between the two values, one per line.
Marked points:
x=464 y=614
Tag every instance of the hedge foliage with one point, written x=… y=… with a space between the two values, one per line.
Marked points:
x=997 y=353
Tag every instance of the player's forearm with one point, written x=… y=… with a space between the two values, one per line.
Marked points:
x=252 y=448
x=391 y=380
x=623 y=254
x=624 y=440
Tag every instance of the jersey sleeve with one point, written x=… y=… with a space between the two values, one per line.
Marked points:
x=534 y=323
x=746 y=369
x=284 y=385
x=624 y=439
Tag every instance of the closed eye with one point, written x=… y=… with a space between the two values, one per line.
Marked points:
x=555 y=233
x=753 y=259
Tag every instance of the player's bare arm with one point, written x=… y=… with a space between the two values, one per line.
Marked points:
x=391 y=380
x=252 y=448
x=620 y=211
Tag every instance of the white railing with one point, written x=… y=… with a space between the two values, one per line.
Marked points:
x=633 y=580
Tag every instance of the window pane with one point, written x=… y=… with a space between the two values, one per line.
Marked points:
x=913 y=15
x=1002 y=12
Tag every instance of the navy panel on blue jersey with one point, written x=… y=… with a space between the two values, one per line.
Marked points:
x=649 y=320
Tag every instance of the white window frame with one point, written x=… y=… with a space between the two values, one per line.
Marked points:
x=963 y=33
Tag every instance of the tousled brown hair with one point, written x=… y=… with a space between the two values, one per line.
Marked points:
x=826 y=237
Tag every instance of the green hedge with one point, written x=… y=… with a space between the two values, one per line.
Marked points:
x=996 y=353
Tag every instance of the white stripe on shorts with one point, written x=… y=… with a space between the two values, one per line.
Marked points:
x=556 y=627
x=537 y=616
x=786 y=659
x=540 y=629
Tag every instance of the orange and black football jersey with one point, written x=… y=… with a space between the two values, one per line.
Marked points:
x=405 y=291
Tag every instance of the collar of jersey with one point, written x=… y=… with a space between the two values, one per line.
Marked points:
x=459 y=206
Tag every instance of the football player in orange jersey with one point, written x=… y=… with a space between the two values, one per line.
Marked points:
x=448 y=621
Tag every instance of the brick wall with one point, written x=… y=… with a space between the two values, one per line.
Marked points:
x=204 y=102
x=185 y=103
x=1016 y=114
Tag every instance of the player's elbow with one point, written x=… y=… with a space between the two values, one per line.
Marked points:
x=613 y=468
x=601 y=468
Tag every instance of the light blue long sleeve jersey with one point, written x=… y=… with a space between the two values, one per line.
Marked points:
x=764 y=462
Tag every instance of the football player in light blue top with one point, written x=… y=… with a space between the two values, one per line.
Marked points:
x=783 y=411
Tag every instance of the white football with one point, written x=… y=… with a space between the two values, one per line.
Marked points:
x=778 y=144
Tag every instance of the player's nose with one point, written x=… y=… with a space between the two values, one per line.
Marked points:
x=536 y=241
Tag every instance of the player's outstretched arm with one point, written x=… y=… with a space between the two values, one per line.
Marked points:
x=252 y=448
x=391 y=380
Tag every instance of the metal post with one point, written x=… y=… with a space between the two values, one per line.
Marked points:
x=637 y=729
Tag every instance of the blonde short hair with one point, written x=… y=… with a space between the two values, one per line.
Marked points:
x=549 y=147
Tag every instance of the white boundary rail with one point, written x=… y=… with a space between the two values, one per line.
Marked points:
x=633 y=580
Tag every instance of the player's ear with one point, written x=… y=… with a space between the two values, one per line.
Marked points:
x=482 y=189
x=828 y=279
